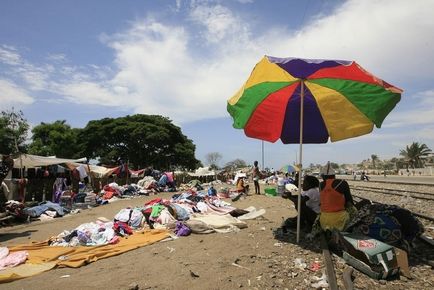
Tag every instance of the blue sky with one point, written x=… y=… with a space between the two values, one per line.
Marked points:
x=85 y=60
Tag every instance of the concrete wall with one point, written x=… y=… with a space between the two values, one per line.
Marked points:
x=427 y=171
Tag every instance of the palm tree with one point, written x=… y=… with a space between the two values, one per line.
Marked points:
x=374 y=159
x=414 y=154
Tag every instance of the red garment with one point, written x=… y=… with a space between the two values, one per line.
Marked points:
x=154 y=201
x=122 y=228
x=331 y=199
x=170 y=176
x=109 y=194
x=22 y=186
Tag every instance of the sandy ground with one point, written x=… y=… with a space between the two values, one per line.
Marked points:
x=165 y=265
x=251 y=258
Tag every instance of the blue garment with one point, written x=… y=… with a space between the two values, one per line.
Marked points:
x=163 y=180
x=181 y=213
x=178 y=197
x=212 y=191
x=36 y=211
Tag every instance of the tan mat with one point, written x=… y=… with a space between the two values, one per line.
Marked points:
x=40 y=254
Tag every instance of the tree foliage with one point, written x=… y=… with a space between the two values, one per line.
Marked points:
x=143 y=140
x=213 y=159
x=415 y=153
x=13 y=132
x=234 y=164
x=57 y=139
x=374 y=159
x=334 y=165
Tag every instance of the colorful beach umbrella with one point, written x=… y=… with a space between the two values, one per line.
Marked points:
x=310 y=101
x=289 y=168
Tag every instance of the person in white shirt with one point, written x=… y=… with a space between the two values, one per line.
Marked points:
x=310 y=201
x=311 y=190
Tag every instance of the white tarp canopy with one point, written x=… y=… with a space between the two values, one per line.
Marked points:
x=97 y=171
x=203 y=171
x=32 y=161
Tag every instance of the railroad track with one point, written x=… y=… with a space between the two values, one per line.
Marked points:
x=391 y=182
x=397 y=192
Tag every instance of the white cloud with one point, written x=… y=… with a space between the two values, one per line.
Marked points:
x=220 y=23
x=388 y=38
x=90 y=93
x=9 y=55
x=57 y=57
x=422 y=112
x=185 y=75
x=35 y=76
x=11 y=95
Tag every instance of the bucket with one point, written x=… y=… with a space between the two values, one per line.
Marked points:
x=271 y=191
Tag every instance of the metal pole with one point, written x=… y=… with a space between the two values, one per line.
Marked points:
x=263 y=165
x=301 y=160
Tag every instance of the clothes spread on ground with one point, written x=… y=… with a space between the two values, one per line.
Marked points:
x=11 y=259
x=132 y=216
x=36 y=211
x=87 y=234
x=387 y=223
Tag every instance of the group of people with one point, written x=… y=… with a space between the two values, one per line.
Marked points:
x=329 y=206
x=329 y=199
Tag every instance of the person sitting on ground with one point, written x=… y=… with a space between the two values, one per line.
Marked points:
x=310 y=201
x=336 y=202
x=242 y=186
x=364 y=177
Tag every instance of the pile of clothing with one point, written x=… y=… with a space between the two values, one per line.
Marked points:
x=9 y=260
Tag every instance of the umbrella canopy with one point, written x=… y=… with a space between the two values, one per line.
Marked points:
x=341 y=100
x=289 y=168
x=310 y=101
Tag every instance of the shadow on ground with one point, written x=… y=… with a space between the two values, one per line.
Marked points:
x=9 y=236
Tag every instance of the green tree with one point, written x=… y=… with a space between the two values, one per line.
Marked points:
x=414 y=154
x=234 y=164
x=57 y=139
x=143 y=140
x=374 y=159
x=334 y=165
x=13 y=132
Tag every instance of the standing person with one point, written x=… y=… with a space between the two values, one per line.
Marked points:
x=336 y=202
x=256 y=174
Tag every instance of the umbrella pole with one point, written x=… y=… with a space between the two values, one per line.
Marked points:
x=301 y=161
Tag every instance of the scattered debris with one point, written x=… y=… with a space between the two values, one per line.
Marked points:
x=194 y=275
x=133 y=286
x=300 y=264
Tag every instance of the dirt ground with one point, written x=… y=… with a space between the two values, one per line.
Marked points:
x=252 y=258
